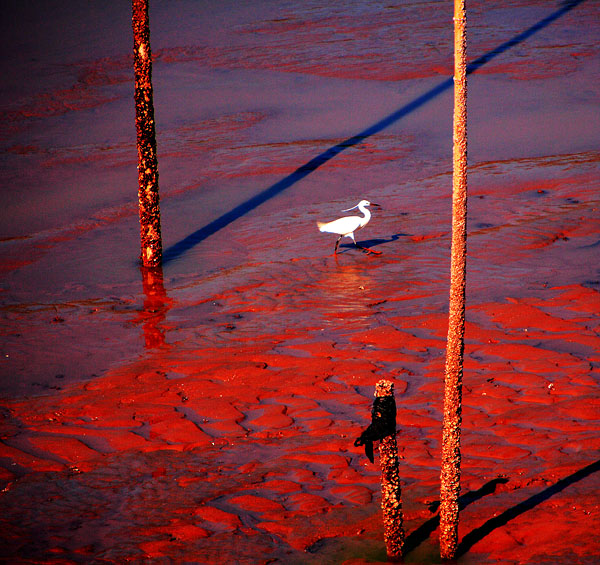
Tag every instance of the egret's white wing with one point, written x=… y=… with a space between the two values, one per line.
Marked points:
x=341 y=226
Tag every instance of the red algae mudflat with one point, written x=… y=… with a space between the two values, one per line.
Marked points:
x=206 y=411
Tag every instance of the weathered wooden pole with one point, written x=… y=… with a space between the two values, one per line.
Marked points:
x=383 y=429
x=150 y=235
x=450 y=471
x=391 y=494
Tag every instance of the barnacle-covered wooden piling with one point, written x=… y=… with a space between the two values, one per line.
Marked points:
x=150 y=234
x=451 y=459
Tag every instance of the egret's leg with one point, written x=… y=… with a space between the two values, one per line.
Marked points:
x=356 y=244
x=336 y=244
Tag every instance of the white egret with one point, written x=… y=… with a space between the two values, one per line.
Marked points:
x=346 y=226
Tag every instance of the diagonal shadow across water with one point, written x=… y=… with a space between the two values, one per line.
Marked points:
x=301 y=172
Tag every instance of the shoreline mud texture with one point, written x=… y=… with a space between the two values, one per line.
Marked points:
x=206 y=411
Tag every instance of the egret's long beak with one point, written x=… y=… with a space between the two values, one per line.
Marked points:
x=377 y=205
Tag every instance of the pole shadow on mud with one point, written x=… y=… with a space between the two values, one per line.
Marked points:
x=421 y=534
x=424 y=531
x=496 y=522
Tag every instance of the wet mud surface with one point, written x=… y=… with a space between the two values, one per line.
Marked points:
x=207 y=411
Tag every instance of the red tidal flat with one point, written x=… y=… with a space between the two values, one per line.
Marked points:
x=206 y=412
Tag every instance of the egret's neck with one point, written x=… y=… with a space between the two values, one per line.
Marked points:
x=367 y=215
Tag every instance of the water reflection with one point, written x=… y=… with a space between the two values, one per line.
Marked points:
x=155 y=308
x=346 y=291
